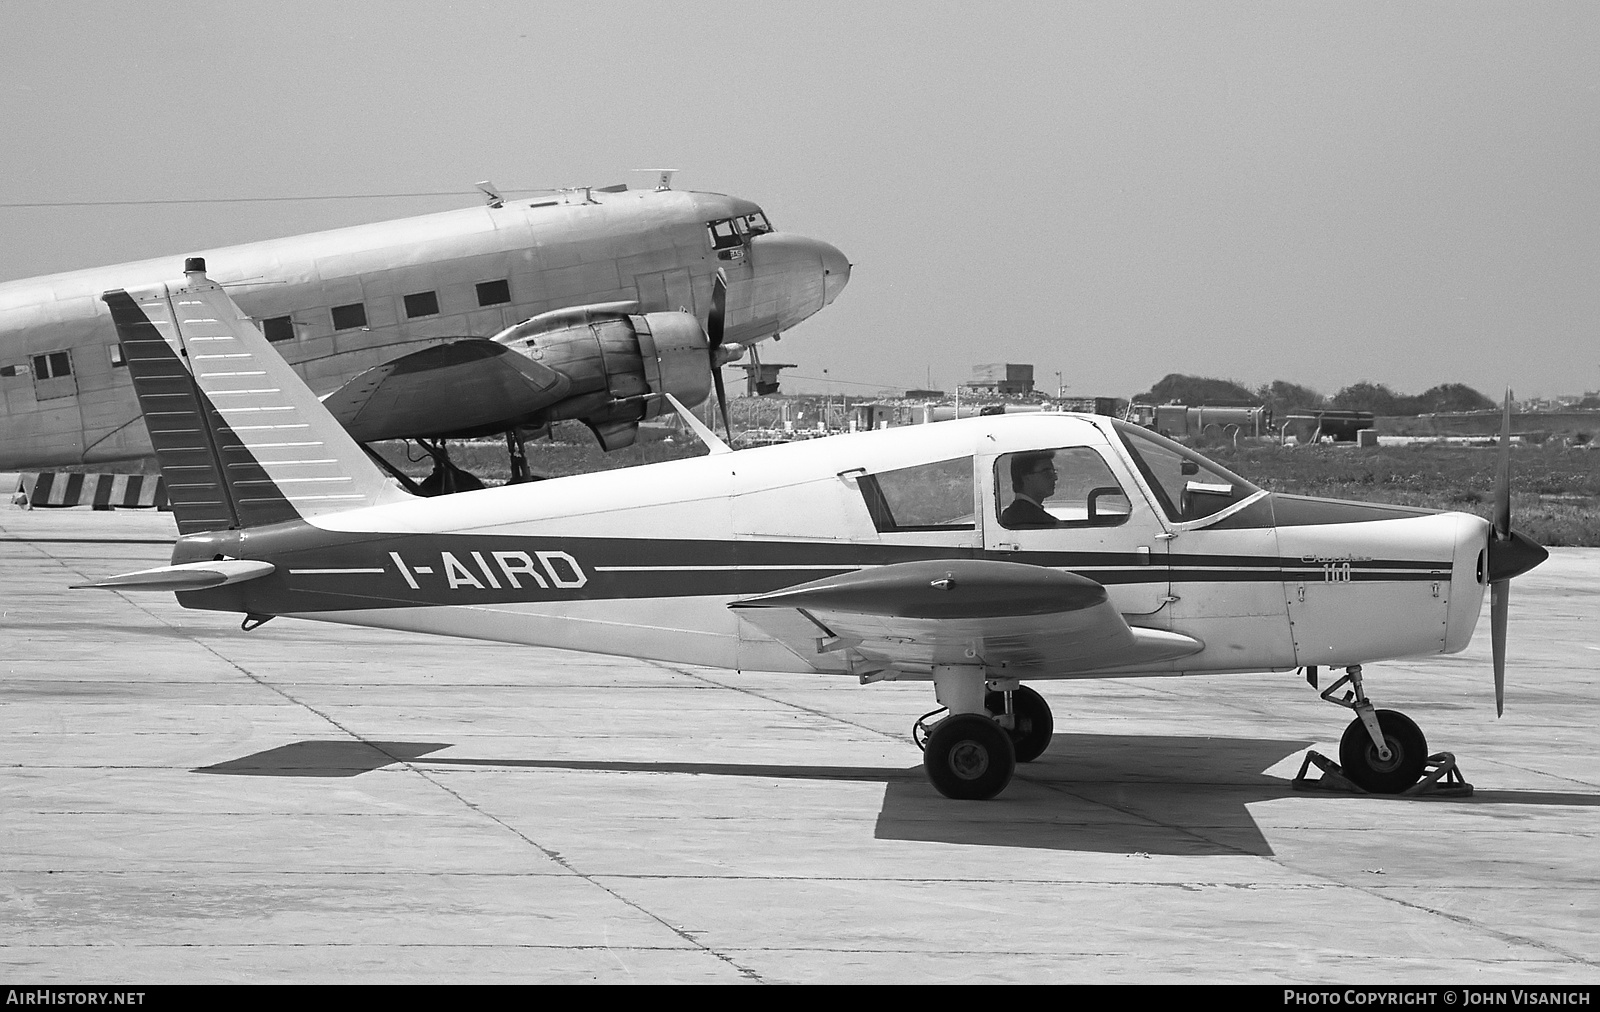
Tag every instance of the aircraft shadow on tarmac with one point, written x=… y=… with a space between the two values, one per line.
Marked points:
x=1125 y=794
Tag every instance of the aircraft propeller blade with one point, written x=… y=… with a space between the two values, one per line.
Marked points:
x=714 y=324
x=1499 y=598
x=1510 y=554
x=1502 y=479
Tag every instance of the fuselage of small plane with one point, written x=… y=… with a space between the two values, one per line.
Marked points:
x=339 y=302
x=646 y=561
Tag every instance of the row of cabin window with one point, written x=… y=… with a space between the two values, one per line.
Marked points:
x=56 y=364
x=418 y=304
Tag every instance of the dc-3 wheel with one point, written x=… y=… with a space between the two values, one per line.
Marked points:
x=969 y=757
x=1408 y=754
x=1033 y=723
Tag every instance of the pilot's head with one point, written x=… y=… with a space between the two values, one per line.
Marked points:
x=1034 y=474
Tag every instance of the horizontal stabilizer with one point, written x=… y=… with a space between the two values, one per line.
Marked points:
x=465 y=388
x=713 y=444
x=189 y=576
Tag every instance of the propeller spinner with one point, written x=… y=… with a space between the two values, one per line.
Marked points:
x=1510 y=555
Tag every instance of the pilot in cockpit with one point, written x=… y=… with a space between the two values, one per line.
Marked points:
x=1033 y=479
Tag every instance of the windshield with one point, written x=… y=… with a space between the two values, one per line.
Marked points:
x=756 y=224
x=1189 y=486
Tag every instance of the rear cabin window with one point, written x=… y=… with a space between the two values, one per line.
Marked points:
x=422 y=304
x=494 y=293
x=278 y=328
x=349 y=317
x=1063 y=487
x=928 y=497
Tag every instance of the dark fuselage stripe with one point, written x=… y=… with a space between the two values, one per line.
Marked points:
x=321 y=570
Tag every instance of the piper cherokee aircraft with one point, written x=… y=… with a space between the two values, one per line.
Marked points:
x=973 y=554
x=586 y=304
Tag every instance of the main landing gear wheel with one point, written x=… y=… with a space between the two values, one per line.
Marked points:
x=1032 y=723
x=969 y=757
x=1358 y=756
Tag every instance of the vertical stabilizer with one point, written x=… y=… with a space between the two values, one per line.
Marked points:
x=241 y=440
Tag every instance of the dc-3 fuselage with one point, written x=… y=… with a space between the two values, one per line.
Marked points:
x=339 y=303
x=974 y=554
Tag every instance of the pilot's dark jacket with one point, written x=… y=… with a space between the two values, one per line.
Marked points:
x=1026 y=513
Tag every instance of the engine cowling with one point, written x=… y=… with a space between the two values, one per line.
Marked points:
x=619 y=362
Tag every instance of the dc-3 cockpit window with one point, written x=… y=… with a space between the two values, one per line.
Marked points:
x=727 y=233
x=1189 y=486
x=723 y=234
x=928 y=497
x=1068 y=487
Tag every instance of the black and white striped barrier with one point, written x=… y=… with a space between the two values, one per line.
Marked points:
x=102 y=491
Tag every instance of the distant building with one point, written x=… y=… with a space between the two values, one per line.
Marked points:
x=1009 y=379
x=761 y=378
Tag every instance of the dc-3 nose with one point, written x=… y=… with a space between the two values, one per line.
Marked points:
x=798 y=273
x=835 y=273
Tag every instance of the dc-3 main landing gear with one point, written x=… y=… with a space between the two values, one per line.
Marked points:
x=993 y=725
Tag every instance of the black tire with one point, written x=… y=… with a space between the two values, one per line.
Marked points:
x=1034 y=725
x=969 y=757
x=1408 y=748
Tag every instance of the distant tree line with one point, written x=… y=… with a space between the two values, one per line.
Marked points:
x=1282 y=396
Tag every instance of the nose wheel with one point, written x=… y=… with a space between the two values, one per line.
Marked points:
x=1382 y=751
x=1365 y=766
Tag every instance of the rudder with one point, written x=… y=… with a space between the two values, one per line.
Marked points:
x=241 y=440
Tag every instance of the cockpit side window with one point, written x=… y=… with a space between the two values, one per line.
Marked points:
x=1189 y=486
x=1067 y=487
x=928 y=497
x=723 y=234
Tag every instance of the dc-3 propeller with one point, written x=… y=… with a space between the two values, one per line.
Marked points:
x=718 y=352
x=1510 y=555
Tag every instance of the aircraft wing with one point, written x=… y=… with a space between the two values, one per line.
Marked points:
x=1027 y=621
x=464 y=388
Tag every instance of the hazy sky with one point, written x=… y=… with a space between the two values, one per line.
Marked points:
x=1324 y=193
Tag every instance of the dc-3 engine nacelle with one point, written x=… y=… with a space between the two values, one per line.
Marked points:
x=620 y=363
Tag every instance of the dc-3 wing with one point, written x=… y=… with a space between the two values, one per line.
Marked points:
x=1026 y=620
x=465 y=388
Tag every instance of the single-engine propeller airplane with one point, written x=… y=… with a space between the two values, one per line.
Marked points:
x=586 y=304
x=975 y=554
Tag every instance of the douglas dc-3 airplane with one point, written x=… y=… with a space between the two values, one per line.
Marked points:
x=588 y=304
x=974 y=554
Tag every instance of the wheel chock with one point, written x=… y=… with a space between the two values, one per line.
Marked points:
x=1440 y=778
x=1332 y=779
